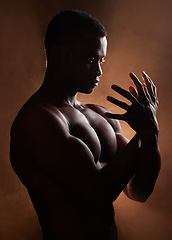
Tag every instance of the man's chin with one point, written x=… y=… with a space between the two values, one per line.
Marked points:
x=88 y=91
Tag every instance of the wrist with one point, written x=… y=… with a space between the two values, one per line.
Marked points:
x=149 y=134
x=151 y=130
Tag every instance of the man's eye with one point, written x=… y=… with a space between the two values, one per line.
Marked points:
x=91 y=60
x=102 y=60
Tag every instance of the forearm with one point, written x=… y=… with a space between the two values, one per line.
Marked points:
x=148 y=167
x=116 y=174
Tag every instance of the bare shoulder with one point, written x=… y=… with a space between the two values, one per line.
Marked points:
x=35 y=134
x=38 y=118
x=35 y=130
x=44 y=131
x=101 y=110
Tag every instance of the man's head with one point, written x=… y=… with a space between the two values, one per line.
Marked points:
x=69 y=26
x=76 y=46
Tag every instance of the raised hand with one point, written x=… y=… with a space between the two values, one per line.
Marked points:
x=141 y=114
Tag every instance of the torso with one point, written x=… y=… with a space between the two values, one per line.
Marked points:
x=55 y=203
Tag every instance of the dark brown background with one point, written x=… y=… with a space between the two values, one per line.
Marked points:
x=139 y=36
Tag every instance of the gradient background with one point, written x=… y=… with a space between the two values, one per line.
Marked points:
x=139 y=38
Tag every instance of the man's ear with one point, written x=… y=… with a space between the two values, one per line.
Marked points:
x=59 y=53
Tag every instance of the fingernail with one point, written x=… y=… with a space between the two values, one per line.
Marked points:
x=113 y=86
x=109 y=98
x=130 y=88
x=144 y=85
x=132 y=74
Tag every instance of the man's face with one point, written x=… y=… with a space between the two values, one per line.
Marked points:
x=82 y=67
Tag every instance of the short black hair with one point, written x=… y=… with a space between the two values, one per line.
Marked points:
x=69 y=24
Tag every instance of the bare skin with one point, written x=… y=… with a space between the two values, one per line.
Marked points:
x=72 y=156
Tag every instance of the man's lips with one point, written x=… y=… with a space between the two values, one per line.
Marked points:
x=95 y=81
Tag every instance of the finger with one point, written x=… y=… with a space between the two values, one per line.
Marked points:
x=150 y=86
x=155 y=89
x=124 y=93
x=148 y=83
x=146 y=91
x=133 y=91
x=118 y=103
x=138 y=85
x=114 y=116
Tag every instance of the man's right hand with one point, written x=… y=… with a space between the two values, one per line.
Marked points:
x=141 y=114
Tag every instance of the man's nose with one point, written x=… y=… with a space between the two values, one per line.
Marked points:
x=98 y=69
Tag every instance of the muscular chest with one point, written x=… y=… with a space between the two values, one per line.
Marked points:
x=95 y=132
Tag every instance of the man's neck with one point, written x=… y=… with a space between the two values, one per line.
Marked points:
x=55 y=90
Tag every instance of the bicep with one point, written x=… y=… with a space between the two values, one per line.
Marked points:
x=62 y=157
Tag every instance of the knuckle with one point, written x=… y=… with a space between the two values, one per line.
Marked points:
x=129 y=95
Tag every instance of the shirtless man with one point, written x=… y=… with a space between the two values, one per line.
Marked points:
x=72 y=156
